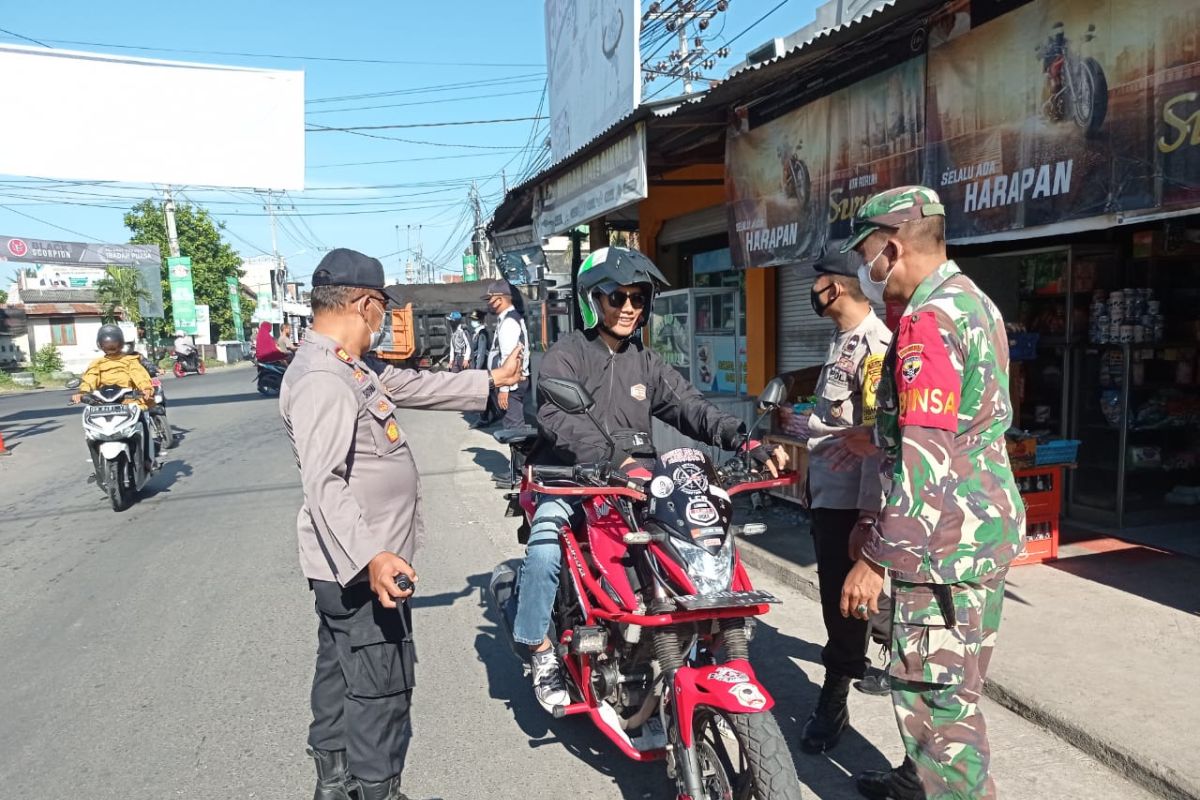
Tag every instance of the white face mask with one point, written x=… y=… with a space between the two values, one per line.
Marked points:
x=376 y=335
x=871 y=288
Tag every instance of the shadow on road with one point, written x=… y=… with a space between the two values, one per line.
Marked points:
x=774 y=655
x=508 y=684
x=216 y=400
x=167 y=477
x=16 y=435
x=494 y=463
x=39 y=413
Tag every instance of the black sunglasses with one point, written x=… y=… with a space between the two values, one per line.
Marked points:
x=617 y=298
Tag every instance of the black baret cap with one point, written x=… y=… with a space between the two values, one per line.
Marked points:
x=834 y=263
x=344 y=267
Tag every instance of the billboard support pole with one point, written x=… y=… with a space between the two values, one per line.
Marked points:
x=169 y=212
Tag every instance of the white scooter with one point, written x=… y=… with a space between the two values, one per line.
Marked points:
x=124 y=452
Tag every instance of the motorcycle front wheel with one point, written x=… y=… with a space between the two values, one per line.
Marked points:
x=744 y=757
x=114 y=478
x=178 y=369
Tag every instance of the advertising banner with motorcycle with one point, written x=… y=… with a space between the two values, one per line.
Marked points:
x=1061 y=111
x=796 y=181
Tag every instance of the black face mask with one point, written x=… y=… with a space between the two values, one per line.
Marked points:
x=818 y=307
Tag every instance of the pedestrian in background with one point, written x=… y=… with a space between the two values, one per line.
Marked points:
x=510 y=335
x=360 y=522
x=841 y=496
x=953 y=519
x=460 y=343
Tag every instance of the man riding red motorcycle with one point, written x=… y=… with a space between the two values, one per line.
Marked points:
x=652 y=616
x=631 y=383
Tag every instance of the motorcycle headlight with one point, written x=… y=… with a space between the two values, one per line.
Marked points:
x=710 y=572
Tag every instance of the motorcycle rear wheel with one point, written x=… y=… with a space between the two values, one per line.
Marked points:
x=744 y=756
x=114 y=477
x=166 y=435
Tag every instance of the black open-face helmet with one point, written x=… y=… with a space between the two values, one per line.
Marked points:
x=111 y=336
x=607 y=269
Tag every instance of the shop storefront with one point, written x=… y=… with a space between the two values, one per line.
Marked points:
x=1069 y=180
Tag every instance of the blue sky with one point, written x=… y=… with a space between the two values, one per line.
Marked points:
x=497 y=45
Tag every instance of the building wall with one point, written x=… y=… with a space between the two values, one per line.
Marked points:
x=12 y=350
x=77 y=357
x=669 y=202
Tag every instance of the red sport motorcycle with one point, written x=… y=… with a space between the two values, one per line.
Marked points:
x=655 y=613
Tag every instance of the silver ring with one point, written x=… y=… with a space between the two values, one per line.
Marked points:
x=861 y=609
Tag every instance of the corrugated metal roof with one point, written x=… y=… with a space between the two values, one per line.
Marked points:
x=62 y=310
x=58 y=296
x=728 y=92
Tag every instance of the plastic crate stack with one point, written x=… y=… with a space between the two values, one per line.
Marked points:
x=1041 y=490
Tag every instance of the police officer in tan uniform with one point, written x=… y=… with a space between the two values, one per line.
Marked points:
x=841 y=496
x=361 y=519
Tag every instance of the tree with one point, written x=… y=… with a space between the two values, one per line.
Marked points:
x=122 y=290
x=3 y=297
x=213 y=259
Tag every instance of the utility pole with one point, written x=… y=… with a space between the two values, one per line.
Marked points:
x=504 y=180
x=279 y=275
x=169 y=212
x=686 y=62
x=478 y=239
x=408 y=260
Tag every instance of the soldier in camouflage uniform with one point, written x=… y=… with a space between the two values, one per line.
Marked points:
x=952 y=519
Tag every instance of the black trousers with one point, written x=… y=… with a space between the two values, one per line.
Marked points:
x=514 y=417
x=362 y=687
x=845 y=653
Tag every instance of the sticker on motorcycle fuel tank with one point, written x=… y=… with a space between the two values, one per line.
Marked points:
x=690 y=479
x=729 y=675
x=662 y=486
x=748 y=695
x=700 y=511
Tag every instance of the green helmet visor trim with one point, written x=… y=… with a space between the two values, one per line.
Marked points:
x=615 y=267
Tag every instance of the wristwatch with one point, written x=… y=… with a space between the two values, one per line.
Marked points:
x=491 y=381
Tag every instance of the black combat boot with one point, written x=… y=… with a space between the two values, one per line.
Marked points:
x=332 y=774
x=381 y=790
x=900 y=783
x=829 y=719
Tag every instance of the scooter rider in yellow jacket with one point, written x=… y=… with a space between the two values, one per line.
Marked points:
x=115 y=368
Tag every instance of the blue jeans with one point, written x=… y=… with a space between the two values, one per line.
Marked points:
x=538 y=581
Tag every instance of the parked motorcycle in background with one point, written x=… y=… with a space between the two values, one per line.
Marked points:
x=654 y=612
x=120 y=440
x=1076 y=87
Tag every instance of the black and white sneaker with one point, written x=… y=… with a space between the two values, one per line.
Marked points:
x=548 y=684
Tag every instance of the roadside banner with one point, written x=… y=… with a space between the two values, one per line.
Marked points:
x=235 y=307
x=183 y=297
x=1061 y=111
x=795 y=182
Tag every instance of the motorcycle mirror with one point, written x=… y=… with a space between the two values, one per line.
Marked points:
x=773 y=394
x=74 y=383
x=566 y=394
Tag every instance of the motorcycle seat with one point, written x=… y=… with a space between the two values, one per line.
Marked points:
x=516 y=436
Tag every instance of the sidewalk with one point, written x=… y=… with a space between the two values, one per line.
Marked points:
x=1101 y=647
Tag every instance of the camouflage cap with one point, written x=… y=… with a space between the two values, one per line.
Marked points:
x=891 y=209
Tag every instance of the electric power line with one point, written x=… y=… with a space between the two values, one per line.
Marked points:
x=288 y=57
x=86 y=237
x=354 y=128
x=26 y=38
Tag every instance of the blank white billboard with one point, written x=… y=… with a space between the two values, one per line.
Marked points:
x=594 y=68
x=92 y=116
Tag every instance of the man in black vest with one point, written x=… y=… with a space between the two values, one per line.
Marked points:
x=510 y=332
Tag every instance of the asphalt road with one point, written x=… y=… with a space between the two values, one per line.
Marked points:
x=166 y=652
